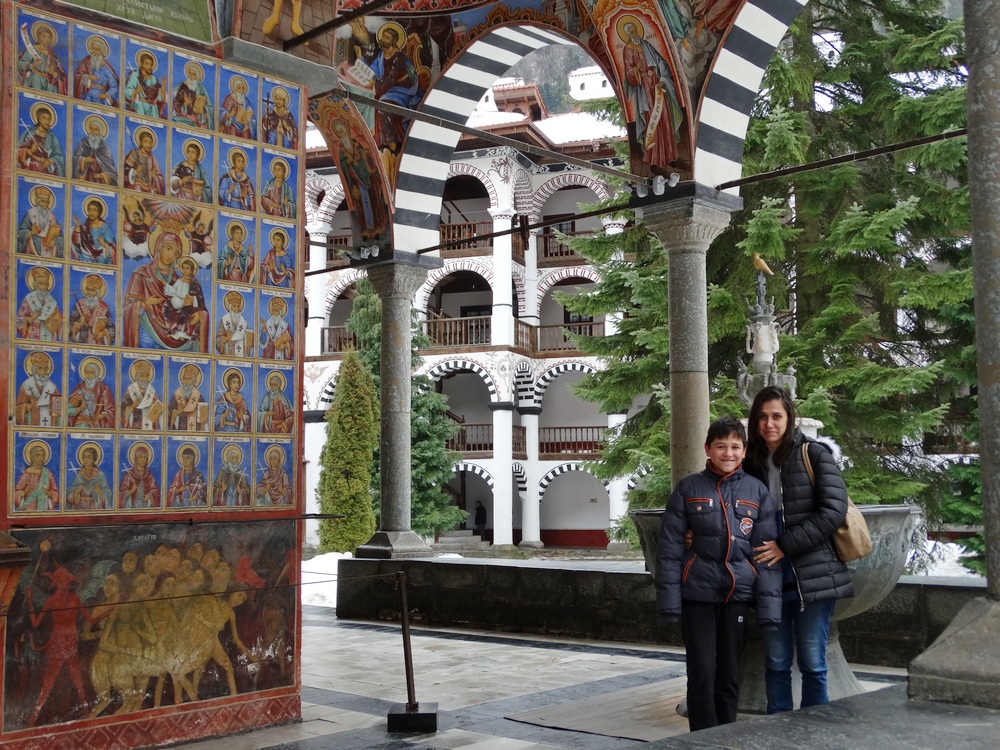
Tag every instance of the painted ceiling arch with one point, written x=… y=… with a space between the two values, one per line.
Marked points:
x=686 y=73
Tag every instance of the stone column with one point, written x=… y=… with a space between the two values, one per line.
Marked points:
x=617 y=487
x=963 y=664
x=531 y=528
x=686 y=226
x=613 y=226
x=502 y=323
x=503 y=475
x=531 y=311
x=395 y=282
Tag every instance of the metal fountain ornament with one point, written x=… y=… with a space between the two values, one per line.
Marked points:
x=762 y=343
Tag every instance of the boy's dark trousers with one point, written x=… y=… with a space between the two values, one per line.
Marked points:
x=714 y=637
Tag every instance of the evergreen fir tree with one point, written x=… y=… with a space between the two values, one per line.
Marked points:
x=346 y=459
x=432 y=463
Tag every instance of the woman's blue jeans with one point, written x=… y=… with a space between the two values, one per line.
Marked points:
x=802 y=633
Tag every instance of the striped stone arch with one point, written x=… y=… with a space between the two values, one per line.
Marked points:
x=551 y=374
x=523 y=384
x=427 y=153
x=552 y=278
x=333 y=198
x=633 y=480
x=520 y=288
x=476 y=469
x=545 y=481
x=314 y=186
x=342 y=284
x=470 y=171
x=329 y=391
x=451 y=266
x=732 y=86
x=520 y=476
x=522 y=194
x=567 y=179
x=450 y=366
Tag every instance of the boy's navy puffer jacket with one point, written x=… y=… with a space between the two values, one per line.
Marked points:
x=729 y=515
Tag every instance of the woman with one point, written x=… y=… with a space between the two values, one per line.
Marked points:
x=814 y=578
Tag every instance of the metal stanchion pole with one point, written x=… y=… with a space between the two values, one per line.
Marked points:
x=410 y=718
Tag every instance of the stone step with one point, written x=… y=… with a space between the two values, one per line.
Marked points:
x=467 y=546
x=457 y=541
x=456 y=534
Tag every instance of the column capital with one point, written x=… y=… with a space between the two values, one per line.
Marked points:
x=507 y=213
x=501 y=406
x=614 y=225
x=401 y=276
x=692 y=219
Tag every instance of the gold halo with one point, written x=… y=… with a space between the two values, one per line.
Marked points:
x=277 y=374
x=95 y=446
x=87 y=361
x=193 y=142
x=134 y=448
x=99 y=201
x=184 y=447
x=228 y=374
x=621 y=22
x=31 y=446
x=102 y=41
x=277 y=301
x=31 y=273
x=233 y=295
x=33 y=198
x=279 y=232
x=340 y=127
x=38 y=107
x=38 y=26
x=280 y=90
x=228 y=448
x=88 y=277
x=29 y=368
x=233 y=225
x=198 y=378
x=132 y=369
x=398 y=28
x=143 y=53
x=95 y=118
x=284 y=163
x=238 y=79
x=275 y=449
x=197 y=67
x=237 y=151
x=142 y=131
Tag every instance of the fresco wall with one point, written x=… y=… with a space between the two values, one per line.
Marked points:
x=154 y=288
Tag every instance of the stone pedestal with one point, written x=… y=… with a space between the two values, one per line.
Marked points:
x=395 y=282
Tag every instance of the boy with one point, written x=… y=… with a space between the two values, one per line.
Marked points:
x=186 y=318
x=711 y=585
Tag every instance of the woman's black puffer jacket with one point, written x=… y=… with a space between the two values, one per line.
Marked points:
x=811 y=515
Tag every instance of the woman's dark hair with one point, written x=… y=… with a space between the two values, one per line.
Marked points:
x=756 y=447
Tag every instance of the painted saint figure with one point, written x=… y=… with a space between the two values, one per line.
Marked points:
x=139 y=488
x=189 y=181
x=395 y=82
x=39 y=402
x=278 y=125
x=40 y=233
x=188 y=409
x=93 y=241
x=275 y=414
x=231 y=488
x=37 y=488
x=234 y=337
x=38 y=148
x=236 y=116
x=144 y=93
x=192 y=103
x=93 y=158
x=277 y=198
x=91 y=405
x=185 y=307
x=276 y=268
x=236 y=189
x=38 y=316
x=188 y=488
x=275 y=333
x=141 y=405
x=95 y=80
x=236 y=258
x=39 y=67
x=142 y=170
x=90 y=489
x=274 y=486
x=231 y=411
x=90 y=319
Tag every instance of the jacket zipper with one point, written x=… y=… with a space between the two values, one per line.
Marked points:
x=729 y=537
x=687 y=568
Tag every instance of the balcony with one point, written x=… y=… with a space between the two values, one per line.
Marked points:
x=337 y=340
x=476 y=441
x=556 y=339
x=553 y=252
x=445 y=332
x=334 y=243
x=555 y=443
x=468 y=239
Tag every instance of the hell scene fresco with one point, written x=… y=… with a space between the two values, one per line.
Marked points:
x=173 y=615
x=156 y=257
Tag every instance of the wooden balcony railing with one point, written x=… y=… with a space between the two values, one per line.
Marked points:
x=444 y=332
x=333 y=244
x=337 y=339
x=467 y=237
x=517 y=248
x=551 y=250
x=561 y=442
x=519 y=446
x=556 y=338
x=472 y=438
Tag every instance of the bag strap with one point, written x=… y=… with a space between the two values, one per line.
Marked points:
x=808 y=463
